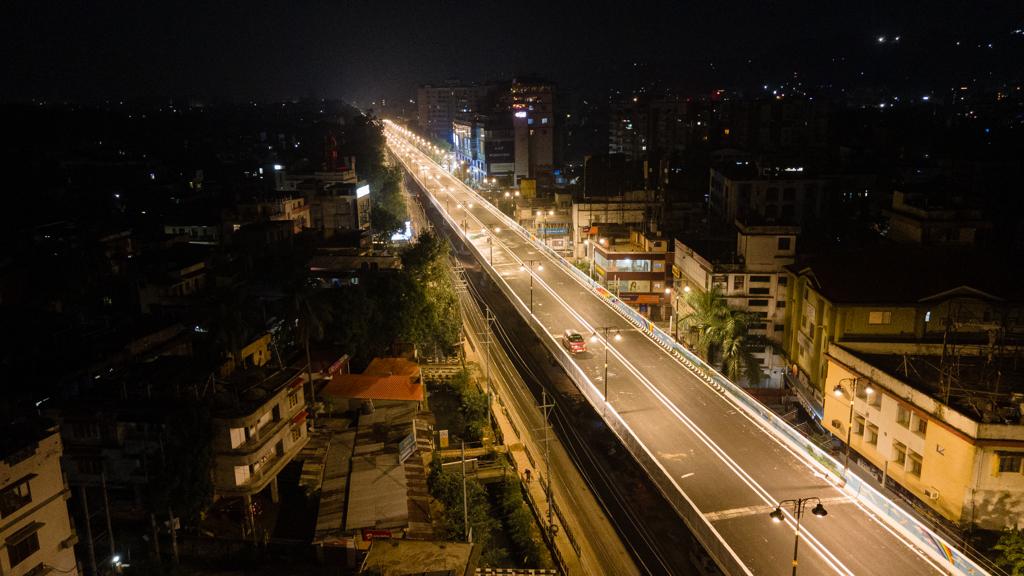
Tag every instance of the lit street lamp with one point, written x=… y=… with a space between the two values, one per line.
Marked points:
x=798 y=508
x=605 y=331
x=839 y=392
x=522 y=268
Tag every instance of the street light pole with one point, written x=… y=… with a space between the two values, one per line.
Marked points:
x=839 y=392
x=605 y=330
x=798 y=509
x=531 y=263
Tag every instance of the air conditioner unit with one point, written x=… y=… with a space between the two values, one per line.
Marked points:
x=932 y=493
x=836 y=423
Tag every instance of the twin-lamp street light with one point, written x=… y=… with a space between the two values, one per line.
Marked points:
x=798 y=509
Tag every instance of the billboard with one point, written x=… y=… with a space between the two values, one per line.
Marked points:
x=363 y=190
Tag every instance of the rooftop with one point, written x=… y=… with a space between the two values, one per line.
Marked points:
x=18 y=437
x=986 y=392
x=404 y=557
x=904 y=274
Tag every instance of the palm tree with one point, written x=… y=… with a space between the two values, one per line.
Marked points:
x=721 y=333
x=312 y=315
x=737 y=361
x=708 y=313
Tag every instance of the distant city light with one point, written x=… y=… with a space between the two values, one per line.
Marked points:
x=521 y=114
x=278 y=167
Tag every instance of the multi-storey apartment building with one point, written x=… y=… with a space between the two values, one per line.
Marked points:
x=748 y=271
x=895 y=299
x=774 y=192
x=256 y=437
x=635 y=270
x=942 y=428
x=36 y=535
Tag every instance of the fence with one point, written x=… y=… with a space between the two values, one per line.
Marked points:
x=910 y=527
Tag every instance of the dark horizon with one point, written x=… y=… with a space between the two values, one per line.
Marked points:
x=362 y=52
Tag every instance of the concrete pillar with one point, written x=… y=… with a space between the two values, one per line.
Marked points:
x=273 y=490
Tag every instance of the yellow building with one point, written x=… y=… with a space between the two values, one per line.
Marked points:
x=36 y=536
x=896 y=300
x=957 y=446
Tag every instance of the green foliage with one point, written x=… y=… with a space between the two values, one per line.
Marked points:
x=471 y=421
x=434 y=322
x=1011 y=551
x=446 y=487
x=721 y=333
x=519 y=525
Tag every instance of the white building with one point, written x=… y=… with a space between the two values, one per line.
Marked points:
x=749 y=273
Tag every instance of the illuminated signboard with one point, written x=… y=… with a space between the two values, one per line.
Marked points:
x=362 y=191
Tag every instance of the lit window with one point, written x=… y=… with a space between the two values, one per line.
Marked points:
x=879 y=317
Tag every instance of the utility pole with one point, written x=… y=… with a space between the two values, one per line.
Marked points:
x=106 y=506
x=465 y=502
x=489 y=317
x=156 y=536
x=547 y=457
x=88 y=531
x=174 y=534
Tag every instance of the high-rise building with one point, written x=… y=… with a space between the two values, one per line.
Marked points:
x=533 y=122
x=438 y=105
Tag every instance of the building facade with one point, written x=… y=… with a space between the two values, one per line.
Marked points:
x=254 y=441
x=636 y=271
x=963 y=463
x=750 y=276
x=36 y=535
x=341 y=207
x=773 y=193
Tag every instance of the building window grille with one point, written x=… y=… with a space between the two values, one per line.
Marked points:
x=1010 y=461
x=899 y=453
x=872 y=435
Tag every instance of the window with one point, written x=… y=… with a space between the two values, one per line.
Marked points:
x=879 y=317
x=20 y=550
x=875 y=400
x=757 y=302
x=15 y=496
x=899 y=453
x=872 y=435
x=789 y=194
x=783 y=279
x=858 y=425
x=760 y=278
x=903 y=417
x=780 y=304
x=237 y=437
x=1010 y=461
x=93 y=466
x=780 y=327
x=296 y=433
x=783 y=245
x=920 y=425
x=737 y=282
x=293 y=398
x=760 y=291
x=241 y=475
x=772 y=194
x=914 y=463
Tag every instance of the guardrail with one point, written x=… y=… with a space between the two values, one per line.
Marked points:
x=910 y=527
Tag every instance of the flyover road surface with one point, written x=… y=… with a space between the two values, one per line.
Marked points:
x=733 y=471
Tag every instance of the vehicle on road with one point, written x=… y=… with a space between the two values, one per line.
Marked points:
x=573 y=342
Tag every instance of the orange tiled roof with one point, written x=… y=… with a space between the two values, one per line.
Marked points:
x=392 y=367
x=370 y=387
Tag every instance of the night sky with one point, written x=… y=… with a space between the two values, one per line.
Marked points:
x=365 y=50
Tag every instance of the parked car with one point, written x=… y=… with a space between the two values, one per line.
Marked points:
x=574 y=342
